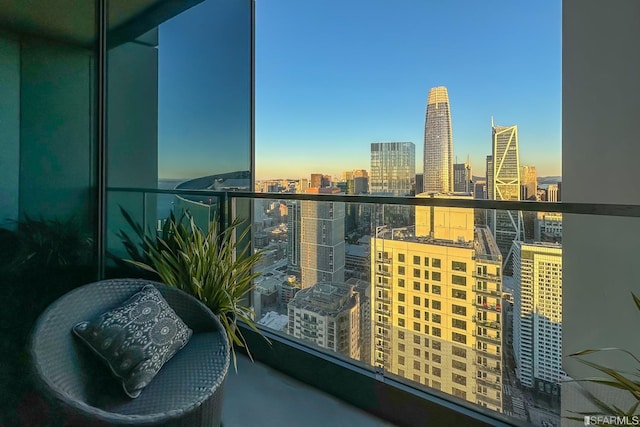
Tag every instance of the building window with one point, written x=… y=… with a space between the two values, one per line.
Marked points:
x=435 y=263
x=455 y=293
x=435 y=276
x=459 y=310
x=436 y=385
x=436 y=371
x=426 y=261
x=458 y=266
x=426 y=287
x=416 y=260
x=400 y=360
x=435 y=289
x=416 y=313
x=416 y=339
x=416 y=352
x=436 y=305
x=426 y=316
x=457 y=351
x=401 y=270
x=401 y=323
x=400 y=257
x=461 y=338
x=401 y=283
x=426 y=302
x=436 y=332
x=459 y=365
x=436 y=318
x=401 y=309
x=459 y=379
x=416 y=286
x=416 y=300
x=416 y=365
x=416 y=326
x=416 y=272
x=401 y=335
x=436 y=358
x=401 y=347
x=459 y=393
x=459 y=324
x=401 y=297
x=426 y=274
x=458 y=280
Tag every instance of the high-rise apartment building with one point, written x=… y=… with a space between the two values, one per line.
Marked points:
x=462 y=177
x=438 y=143
x=436 y=305
x=294 y=225
x=552 y=193
x=503 y=183
x=528 y=183
x=357 y=181
x=537 y=314
x=393 y=168
x=319 y=180
x=548 y=227
x=322 y=250
x=327 y=315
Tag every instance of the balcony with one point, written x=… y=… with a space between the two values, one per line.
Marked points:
x=488 y=307
x=495 y=384
x=487 y=323
x=488 y=338
x=492 y=292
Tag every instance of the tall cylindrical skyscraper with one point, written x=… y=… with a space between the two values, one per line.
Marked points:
x=438 y=143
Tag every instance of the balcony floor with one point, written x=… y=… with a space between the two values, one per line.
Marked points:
x=257 y=395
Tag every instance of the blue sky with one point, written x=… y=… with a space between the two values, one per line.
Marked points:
x=333 y=76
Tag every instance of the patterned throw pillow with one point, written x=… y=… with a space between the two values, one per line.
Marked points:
x=137 y=338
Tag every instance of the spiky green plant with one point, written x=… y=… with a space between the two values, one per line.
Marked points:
x=216 y=266
x=628 y=381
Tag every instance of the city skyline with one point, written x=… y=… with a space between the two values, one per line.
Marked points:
x=329 y=83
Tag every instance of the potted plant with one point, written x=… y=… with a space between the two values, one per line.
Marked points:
x=216 y=266
x=629 y=382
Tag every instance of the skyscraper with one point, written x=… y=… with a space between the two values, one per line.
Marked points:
x=322 y=240
x=436 y=306
x=462 y=177
x=438 y=143
x=537 y=314
x=503 y=183
x=528 y=183
x=393 y=168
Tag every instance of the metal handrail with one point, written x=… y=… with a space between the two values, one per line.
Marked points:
x=607 y=209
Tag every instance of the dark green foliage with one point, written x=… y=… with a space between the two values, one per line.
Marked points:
x=215 y=266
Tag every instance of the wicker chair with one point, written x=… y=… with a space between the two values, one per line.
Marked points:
x=186 y=392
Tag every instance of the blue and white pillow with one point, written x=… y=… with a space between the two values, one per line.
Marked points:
x=137 y=338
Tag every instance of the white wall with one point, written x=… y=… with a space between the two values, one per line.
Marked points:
x=601 y=152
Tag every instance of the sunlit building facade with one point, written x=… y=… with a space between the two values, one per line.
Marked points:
x=503 y=183
x=327 y=315
x=438 y=143
x=537 y=314
x=436 y=306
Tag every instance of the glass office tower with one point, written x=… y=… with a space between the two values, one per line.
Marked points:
x=438 y=143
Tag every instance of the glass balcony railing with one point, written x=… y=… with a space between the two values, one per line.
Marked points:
x=430 y=303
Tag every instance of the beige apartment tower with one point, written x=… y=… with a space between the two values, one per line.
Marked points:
x=436 y=306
